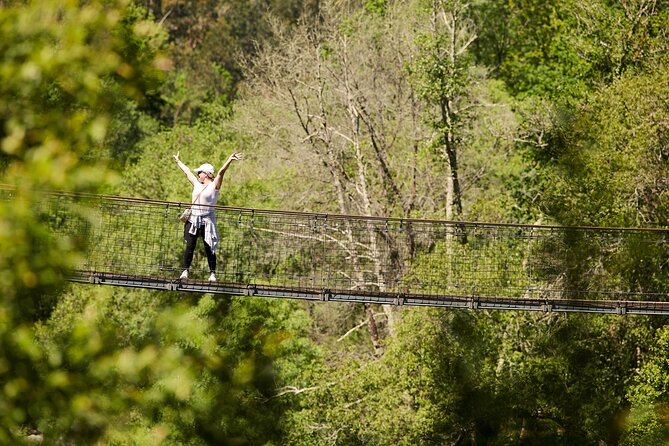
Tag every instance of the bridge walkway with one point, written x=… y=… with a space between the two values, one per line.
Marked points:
x=335 y=258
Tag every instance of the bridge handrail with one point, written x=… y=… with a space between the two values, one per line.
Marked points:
x=409 y=220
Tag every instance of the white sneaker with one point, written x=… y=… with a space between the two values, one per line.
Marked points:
x=212 y=277
x=184 y=275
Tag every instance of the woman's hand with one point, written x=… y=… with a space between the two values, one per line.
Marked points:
x=176 y=157
x=236 y=156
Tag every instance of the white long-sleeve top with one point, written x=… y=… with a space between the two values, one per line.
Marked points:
x=203 y=214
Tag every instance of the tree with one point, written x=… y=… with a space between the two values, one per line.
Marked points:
x=621 y=36
x=607 y=161
x=442 y=74
x=96 y=377
x=169 y=369
x=336 y=85
x=335 y=98
x=56 y=61
x=646 y=423
x=206 y=41
x=533 y=47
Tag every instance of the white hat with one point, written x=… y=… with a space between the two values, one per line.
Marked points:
x=206 y=168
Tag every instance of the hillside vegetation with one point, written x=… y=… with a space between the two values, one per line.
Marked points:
x=489 y=110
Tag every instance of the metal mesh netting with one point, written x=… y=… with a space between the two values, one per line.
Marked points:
x=350 y=254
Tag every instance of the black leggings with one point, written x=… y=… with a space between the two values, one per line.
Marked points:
x=191 y=241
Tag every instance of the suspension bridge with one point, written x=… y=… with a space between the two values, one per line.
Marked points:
x=335 y=258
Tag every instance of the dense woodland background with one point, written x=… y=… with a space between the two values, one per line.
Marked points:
x=488 y=110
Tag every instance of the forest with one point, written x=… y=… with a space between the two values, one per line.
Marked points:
x=504 y=111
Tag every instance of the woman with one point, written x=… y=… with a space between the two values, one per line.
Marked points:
x=202 y=221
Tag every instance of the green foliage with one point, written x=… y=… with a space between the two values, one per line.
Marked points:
x=102 y=369
x=81 y=87
x=561 y=49
x=55 y=62
x=531 y=45
x=606 y=163
x=189 y=374
x=128 y=128
x=492 y=378
x=376 y=6
x=620 y=37
x=647 y=423
x=209 y=40
x=441 y=72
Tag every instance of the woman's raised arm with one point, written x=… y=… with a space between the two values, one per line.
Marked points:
x=191 y=177
x=236 y=156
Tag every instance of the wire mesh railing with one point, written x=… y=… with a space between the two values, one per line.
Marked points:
x=368 y=256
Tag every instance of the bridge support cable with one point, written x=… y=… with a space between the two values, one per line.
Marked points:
x=139 y=243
